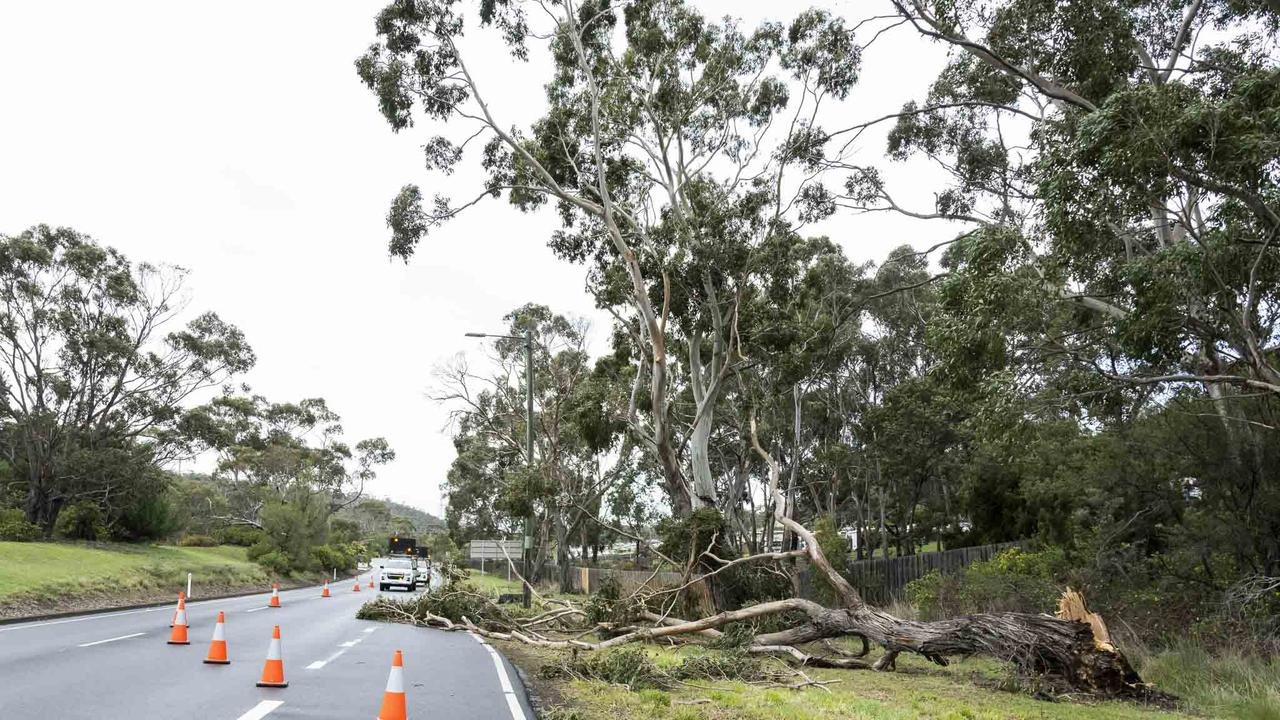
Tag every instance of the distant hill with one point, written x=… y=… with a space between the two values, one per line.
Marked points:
x=421 y=519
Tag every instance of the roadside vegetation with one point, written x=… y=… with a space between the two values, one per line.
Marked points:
x=105 y=382
x=1078 y=349
x=38 y=577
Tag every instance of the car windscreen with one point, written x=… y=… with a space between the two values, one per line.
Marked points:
x=399 y=564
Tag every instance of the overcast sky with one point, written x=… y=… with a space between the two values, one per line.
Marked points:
x=235 y=140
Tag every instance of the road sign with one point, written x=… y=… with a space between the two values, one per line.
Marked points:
x=492 y=549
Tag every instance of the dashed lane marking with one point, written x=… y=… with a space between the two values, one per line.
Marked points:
x=321 y=663
x=122 y=637
x=261 y=710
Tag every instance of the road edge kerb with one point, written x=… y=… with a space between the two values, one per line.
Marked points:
x=144 y=606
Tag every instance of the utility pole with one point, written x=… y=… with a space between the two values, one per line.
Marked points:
x=527 y=550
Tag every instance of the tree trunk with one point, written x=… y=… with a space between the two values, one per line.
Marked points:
x=562 y=558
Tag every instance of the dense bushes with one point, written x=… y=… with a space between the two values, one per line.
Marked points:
x=241 y=535
x=14 y=526
x=82 y=521
x=197 y=541
x=1014 y=580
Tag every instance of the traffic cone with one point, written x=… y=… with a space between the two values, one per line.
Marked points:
x=393 y=697
x=218 y=646
x=179 y=634
x=275 y=595
x=273 y=668
x=357 y=587
x=370 y=581
x=325 y=591
x=173 y=620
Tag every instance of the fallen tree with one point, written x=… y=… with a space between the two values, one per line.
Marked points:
x=657 y=153
x=1071 y=652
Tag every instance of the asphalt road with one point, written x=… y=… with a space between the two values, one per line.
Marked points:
x=118 y=665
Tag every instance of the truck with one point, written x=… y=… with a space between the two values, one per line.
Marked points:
x=401 y=567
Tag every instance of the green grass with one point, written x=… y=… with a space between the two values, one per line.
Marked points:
x=918 y=689
x=1230 y=684
x=35 y=571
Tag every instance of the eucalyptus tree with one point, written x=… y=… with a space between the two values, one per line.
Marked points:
x=1115 y=166
x=671 y=147
x=577 y=420
x=278 y=453
x=92 y=380
x=676 y=153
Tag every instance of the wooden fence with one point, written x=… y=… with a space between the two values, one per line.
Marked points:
x=880 y=581
x=884 y=580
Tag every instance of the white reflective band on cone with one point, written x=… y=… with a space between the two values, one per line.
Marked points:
x=395 y=681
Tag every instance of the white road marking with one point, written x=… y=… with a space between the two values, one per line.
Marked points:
x=372 y=629
x=321 y=663
x=83 y=618
x=122 y=637
x=350 y=643
x=513 y=702
x=264 y=607
x=261 y=710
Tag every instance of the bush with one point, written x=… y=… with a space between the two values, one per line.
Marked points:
x=82 y=521
x=333 y=556
x=241 y=535
x=196 y=540
x=151 y=518
x=269 y=557
x=277 y=561
x=14 y=526
x=1013 y=581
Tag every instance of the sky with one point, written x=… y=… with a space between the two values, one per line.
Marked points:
x=235 y=140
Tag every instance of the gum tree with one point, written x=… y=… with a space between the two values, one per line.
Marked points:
x=676 y=152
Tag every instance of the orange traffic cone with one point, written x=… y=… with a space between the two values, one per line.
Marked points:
x=273 y=669
x=275 y=595
x=393 y=698
x=179 y=634
x=357 y=587
x=370 y=581
x=325 y=591
x=174 y=620
x=218 y=646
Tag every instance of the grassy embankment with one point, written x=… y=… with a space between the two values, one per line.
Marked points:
x=37 y=578
x=1217 y=687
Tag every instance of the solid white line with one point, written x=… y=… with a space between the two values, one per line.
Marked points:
x=261 y=710
x=99 y=642
x=372 y=629
x=264 y=607
x=513 y=702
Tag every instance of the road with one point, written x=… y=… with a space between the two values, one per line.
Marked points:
x=118 y=665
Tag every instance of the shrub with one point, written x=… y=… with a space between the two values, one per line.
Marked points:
x=241 y=535
x=14 y=526
x=150 y=518
x=277 y=561
x=197 y=541
x=333 y=556
x=82 y=521
x=1013 y=581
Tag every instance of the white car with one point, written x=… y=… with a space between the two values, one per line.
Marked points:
x=401 y=572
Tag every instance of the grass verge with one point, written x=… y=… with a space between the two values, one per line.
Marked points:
x=967 y=690
x=42 y=578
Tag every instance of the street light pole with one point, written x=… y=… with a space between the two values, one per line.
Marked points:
x=527 y=549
